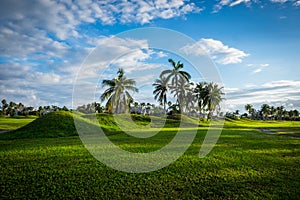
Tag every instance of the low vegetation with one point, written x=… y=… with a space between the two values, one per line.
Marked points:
x=245 y=163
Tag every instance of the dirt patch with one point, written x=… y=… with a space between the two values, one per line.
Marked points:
x=268 y=131
x=4 y=131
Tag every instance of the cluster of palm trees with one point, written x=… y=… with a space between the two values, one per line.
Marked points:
x=190 y=97
x=15 y=109
x=268 y=112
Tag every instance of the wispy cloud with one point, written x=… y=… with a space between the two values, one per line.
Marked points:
x=231 y=3
x=219 y=52
x=256 y=71
x=258 y=67
x=283 y=92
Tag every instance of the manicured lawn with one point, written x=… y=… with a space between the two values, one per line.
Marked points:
x=14 y=123
x=245 y=164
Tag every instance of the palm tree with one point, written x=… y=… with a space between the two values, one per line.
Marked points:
x=191 y=98
x=4 y=106
x=176 y=73
x=265 y=108
x=250 y=109
x=180 y=93
x=117 y=94
x=296 y=114
x=280 y=112
x=213 y=98
x=160 y=90
x=136 y=105
x=201 y=93
x=273 y=112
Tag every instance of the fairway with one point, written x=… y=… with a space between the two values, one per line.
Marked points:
x=14 y=123
x=245 y=164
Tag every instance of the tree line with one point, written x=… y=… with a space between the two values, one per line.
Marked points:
x=15 y=109
x=198 y=98
x=266 y=112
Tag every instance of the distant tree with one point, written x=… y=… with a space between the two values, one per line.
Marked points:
x=272 y=112
x=160 y=91
x=236 y=113
x=250 y=110
x=4 y=106
x=201 y=92
x=180 y=93
x=214 y=98
x=65 y=108
x=118 y=92
x=296 y=114
x=136 y=107
x=279 y=111
x=265 y=108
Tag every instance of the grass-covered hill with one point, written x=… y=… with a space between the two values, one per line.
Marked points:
x=61 y=124
x=55 y=124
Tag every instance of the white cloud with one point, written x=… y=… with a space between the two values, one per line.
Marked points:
x=278 y=1
x=238 y=2
x=250 y=85
x=219 y=52
x=265 y=65
x=283 y=92
x=259 y=67
x=232 y=3
x=257 y=71
x=297 y=3
x=282 y=83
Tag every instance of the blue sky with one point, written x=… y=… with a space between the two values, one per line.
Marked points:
x=254 y=45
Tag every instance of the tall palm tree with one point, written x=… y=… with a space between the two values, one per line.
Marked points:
x=4 y=106
x=201 y=92
x=250 y=109
x=213 y=98
x=117 y=94
x=265 y=108
x=273 y=112
x=180 y=93
x=191 y=98
x=160 y=91
x=176 y=73
x=280 y=110
x=296 y=114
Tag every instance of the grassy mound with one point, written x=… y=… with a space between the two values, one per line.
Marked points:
x=61 y=124
x=55 y=124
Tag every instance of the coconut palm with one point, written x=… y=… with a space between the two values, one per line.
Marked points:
x=201 y=93
x=296 y=113
x=191 y=98
x=160 y=91
x=265 y=109
x=4 y=106
x=213 y=98
x=117 y=94
x=250 y=109
x=280 y=112
x=176 y=73
x=180 y=93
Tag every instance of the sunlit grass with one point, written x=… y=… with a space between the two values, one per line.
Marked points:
x=244 y=164
x=7 y=123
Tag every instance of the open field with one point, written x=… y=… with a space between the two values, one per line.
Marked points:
x=14 y=123
x=245 y=164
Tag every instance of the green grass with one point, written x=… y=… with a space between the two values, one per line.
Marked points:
x=245 y=164
x=11 y=123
